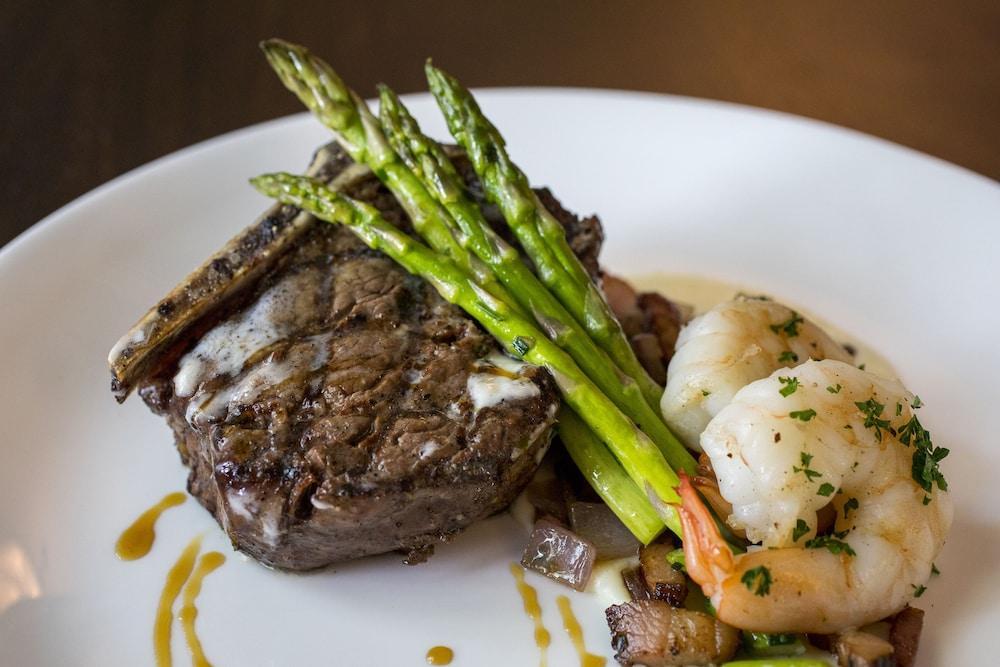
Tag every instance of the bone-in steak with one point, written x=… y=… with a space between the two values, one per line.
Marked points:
x=330 y=405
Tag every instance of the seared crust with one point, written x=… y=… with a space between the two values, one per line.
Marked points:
x=376 y=444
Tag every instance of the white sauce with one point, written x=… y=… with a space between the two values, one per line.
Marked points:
x=242 y=503
x=508 y=364
x=606 y=581
x=269 y=527
x=487 y=390
x=428 y=449
x=225 y=349
x=135 y=337
x=308 y=355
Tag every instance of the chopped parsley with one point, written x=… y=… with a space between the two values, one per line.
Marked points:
x=831 y=544
x=801 y=528
x=788 y=355
x=790 y=327
x=934 y=569
x=926 y=456
x=861 y=367
x=791 y=384
x=918 y=590
x=872 y=410
x=803 y=415
x=834 y=389
x=760 y=577
x=825 y=489
x=916 y=403
x=705 y=392
x=899 y=409
x=851 y=504
x=805 y=470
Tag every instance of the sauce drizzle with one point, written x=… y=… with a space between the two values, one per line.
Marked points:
x=136 y=540
x=575 y=632
x=440 y=655
x=207 y=564
x=531 y=607
x=176 y=577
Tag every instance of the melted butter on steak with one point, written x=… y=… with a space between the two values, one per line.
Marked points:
x=341 y=408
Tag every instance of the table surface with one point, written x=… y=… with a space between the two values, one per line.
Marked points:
x=92 y=90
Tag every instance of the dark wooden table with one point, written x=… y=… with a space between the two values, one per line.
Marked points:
x=93 y=89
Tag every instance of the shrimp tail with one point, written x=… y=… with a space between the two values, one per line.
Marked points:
x=706 y=554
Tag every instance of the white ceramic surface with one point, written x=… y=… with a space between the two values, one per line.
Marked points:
x=900 y=249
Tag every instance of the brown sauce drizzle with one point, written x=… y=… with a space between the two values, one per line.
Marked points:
x=531 y=607
x=575 y=632
x=483 y=366
x=207 y=564
x=176 y=577
x=440 y=655
x=136 y=540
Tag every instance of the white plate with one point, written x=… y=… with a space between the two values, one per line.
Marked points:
x=899 y=249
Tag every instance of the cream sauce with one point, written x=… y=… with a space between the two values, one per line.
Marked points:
x=225 y=349
x=500 y=380
x=606 y=580
x=305 y=356
x=575 y=632
x=703 y=293
x=529 y=596
x=188 y=613
x=137 y=540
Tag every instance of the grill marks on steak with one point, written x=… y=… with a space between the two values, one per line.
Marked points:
x=351 y=430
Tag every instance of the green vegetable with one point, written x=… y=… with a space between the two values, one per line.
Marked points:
x=788 y=355
x=831 y=544
x=429 y=163
x=765 y=644
x=791 y=384
x=541 y=235
x=801 y=528
x=637 y=454
x=676 y=560
x=790 y=327
x=851 y=504
x=322 y=90
x=926 y=456
x=803 y=415
x=605 y=474
x=806 y=459
x=825 y=489
x=758 y=580
x=872 y=410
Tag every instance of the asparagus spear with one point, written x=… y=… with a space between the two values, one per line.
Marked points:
x=606 y=476
x=428 y=161
x=322 y=90
x=637 y=454
x=541 y=236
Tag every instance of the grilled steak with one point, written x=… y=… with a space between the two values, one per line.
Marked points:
x=330 y=405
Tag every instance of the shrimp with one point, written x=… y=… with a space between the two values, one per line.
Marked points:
x=822 y=433
x=728 y=347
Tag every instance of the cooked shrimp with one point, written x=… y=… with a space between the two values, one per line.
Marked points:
x=729 y=347
x=822 y=433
